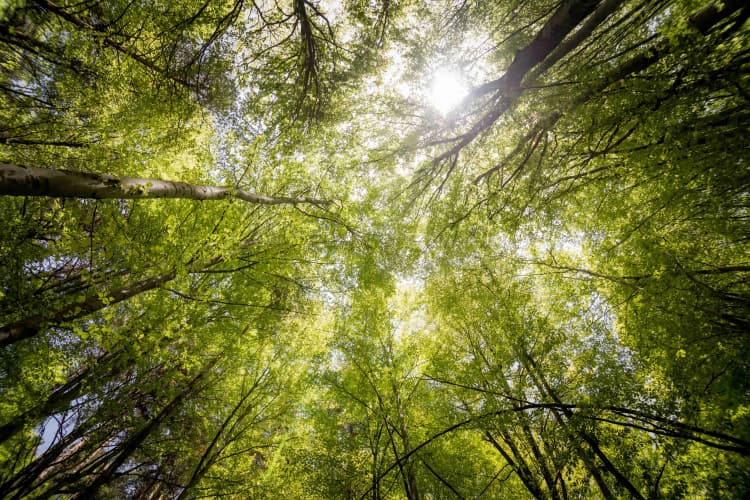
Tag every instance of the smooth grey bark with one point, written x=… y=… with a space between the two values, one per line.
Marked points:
x=17 y=180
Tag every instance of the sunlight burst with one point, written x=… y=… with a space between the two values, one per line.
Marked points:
x=446 y=91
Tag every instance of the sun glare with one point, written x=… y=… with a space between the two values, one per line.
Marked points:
x=446 y=91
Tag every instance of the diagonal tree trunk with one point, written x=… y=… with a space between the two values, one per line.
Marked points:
x=30 y=326
x=132 y=443
x=548 y=43
x=60 y=398
x=557 y=27
x=517 y=463
x=544 y=387
x=703 y=20
x=17 y=180
x=239 y=412
x=526 y=435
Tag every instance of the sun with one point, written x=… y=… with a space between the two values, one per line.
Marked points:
x=446 y=91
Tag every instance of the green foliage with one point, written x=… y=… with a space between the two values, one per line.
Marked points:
x=542 y=294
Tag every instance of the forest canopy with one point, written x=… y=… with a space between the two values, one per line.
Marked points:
x=374 y=249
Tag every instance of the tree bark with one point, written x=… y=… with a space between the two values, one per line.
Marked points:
x=30 y=326
x=129 y=446
x=548 y=43
x=602 y=12
x=703 y=20
x=16 y=180
x=544 y=387
x=519 y=465
x=557 y=27
x=58 y=400
x=214 y=450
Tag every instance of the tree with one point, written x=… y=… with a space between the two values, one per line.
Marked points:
x=540 y=293
x=31 y=181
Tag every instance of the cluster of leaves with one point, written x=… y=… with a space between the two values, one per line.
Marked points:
x=542 y=294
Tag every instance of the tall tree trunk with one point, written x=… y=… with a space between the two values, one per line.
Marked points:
x=548 y=43
x=16 y=180
x=590 y=440
x=23 y=482
x=602 y=12
x=30 y=326
x=528 y=435
x=703 y=20
x=563 y=20
x=128 y=447
x=83 y=449
x=214 y=450
x=60 y=398
x=517 y=463
x=557 y=27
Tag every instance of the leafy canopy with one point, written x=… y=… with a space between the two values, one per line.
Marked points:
x=534 y=285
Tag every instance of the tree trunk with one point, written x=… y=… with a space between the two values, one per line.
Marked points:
x=60 y=398
x=602 y=12
x=565 y=18
x=30 y=326
x=214 y=450
x=703 y=20
x=545 y=388
x=16 y=180
x=518 y=464
x=131 y=444
x=548 y=43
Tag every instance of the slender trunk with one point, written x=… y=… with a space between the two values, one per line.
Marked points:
x=401 y=465
x=109 y=42
x=55 y=457
x=85 y=448
x=213 y=450
x=545 y=388
x=16 y=180
x=103 y=366
x=518 y=464
x=60 y=398
x=127 y=448
x=540 y=458
x=531 y=441
x=411 y=479
x=30 y=326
